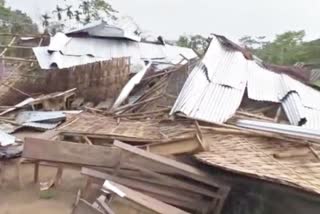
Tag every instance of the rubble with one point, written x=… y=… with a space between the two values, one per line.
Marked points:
x=158 y=140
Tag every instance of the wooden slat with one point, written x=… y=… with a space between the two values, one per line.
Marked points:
x=178 y=167
x=174 y=196
x=6 y=49
x=146 y=201
x=72 y=153
x=150 y=176
x=185 y=146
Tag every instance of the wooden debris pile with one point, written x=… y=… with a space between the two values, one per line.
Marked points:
x=129 y=153
x=130 y=174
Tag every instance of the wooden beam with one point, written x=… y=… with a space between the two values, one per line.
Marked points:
x=184 y=146
x=38 y=35
x=143 y=200
x=70 y=153
x=182 y=197
x=9 y=45
x=178 y=167
x=17 y=59
x=154 y=177
x=15 y=47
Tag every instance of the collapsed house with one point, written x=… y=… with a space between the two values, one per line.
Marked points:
x=100 y=42
x=226 y=133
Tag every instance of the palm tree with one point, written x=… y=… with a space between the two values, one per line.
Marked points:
x=77 y=15
x=85 y=6
x=58 y=10
x=46 y=19
x=69 y=12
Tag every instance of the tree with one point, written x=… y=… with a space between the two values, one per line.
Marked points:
x=83 y=13
x=196 y=42
x=252 y=43
x=286 y=48
x=15 y=21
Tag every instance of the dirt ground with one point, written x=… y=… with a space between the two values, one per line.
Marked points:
x=27 y=200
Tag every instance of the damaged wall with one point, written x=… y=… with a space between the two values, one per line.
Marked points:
x=95 y=82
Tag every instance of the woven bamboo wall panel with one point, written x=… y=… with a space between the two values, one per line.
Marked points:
x=257 y=157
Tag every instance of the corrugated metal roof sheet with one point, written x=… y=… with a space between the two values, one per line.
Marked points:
x=66 y=52
x=263 y=85
x=313 y=119
x=41 y=126
x=225 y=67
x=207 y=101
x=8 y=127
x=294 y=109
x=6 y=139
x=57 y=60
x=298 y=114
x=214 y=89
x=122 y=28
x=280 y=128
x=309 y=96
x=38 y=116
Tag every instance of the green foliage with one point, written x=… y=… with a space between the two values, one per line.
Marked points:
x=196 y=42
x=288 y=48
x=85 y=12
x=15 y=21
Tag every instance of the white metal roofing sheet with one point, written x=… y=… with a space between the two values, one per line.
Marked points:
x=214 y=89
x=122 y=28
x=56 y=59
x=6 y=139
x=309 y=96
x=64 y=53
x=294 y=109
x=263 y=85
x=38 y=116
x=280 y=128
x=207 y=101
x=226 y=67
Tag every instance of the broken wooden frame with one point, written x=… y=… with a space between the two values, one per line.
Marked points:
x=11 y=45
x=125 y=157
x=142 y=199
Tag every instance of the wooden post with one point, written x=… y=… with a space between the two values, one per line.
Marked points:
x=36 y=172
x=2 y=173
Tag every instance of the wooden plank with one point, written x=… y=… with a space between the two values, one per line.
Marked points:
x=154 y=177
x=144 y=200
x=10 y=43
x=84 y=207
x=185 y=146
x=17 y=59
x=147 y=186
x=70 y=153
x=178 y=167
x=191 y=207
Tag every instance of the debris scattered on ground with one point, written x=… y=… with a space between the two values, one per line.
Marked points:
x=150 y=140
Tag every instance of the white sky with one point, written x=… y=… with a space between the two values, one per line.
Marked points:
x=232 y=18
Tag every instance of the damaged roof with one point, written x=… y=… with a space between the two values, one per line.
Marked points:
x=98 y=43
x=225 y=67
x=121 y=29
x=264 y=158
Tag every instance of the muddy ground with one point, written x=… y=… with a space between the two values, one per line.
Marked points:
x=28 y=199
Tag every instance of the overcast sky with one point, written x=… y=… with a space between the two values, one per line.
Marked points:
x=232 y=18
